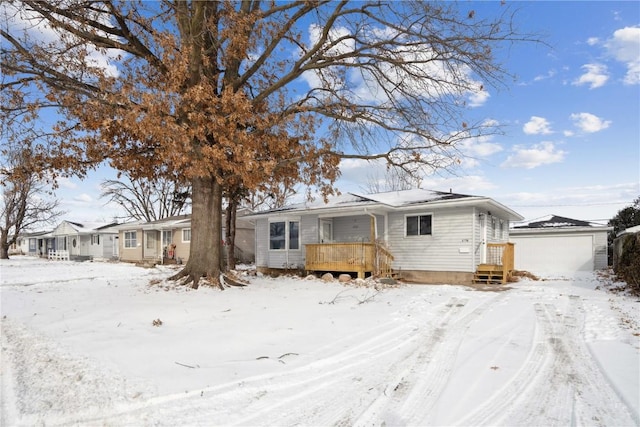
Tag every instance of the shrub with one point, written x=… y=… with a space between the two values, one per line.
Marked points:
x=628 y=268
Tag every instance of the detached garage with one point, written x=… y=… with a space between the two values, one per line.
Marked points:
x=555 y=244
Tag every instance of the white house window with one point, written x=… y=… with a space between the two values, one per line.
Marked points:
x=186 y=235
x=418 y=225
x=95 y=239
x=284 y=235
x=130 y=239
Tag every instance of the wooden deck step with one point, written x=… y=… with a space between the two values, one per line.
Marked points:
x=494 y=277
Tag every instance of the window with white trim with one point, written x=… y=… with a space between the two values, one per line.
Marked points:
x=284 y=235
x=186 y=235
x=95 y=239
x=418 y=225
x=130 y=239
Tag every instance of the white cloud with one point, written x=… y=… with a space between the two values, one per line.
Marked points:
x=474 y=149
x=589 y=123
x=595 y=76
x=540 y=154
x=625 y=47
x=537 y=126
x=64 y=182
x=479 y=98
x=541 y=77
x=592 y=41
x=84 y=198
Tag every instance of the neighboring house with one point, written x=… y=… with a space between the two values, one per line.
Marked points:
x=34 y=243
x=555 y=244
x=161 y=240
x=83 y=240
x=619 y=244
x=168 y=240
x=425 y=236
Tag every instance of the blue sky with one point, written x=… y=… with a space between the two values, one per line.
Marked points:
x=571 y=121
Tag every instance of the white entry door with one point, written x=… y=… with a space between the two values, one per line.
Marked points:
x=326 y=231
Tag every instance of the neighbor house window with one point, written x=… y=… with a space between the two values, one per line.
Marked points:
x=186 y=235
x=284 y=235
x=418 y=225
x=130 y=239
x=95 y=239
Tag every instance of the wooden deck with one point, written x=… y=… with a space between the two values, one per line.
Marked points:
x=360 y=258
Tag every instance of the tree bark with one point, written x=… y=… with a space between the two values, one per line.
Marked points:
x=206 y=237
x=4 y=245
x=230 y=242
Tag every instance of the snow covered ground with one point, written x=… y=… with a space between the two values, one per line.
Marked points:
x=94 y=344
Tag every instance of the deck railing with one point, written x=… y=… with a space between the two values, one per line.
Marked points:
x=358 y=257
x=58 y=255
x=500 y=260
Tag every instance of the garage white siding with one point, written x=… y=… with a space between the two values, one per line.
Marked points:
x=554 y=253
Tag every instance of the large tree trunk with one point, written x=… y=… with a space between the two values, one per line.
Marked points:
x=206 y=234
x=4 y=245
x=232 y=209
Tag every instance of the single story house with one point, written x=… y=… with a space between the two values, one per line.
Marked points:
x=422 y=235
x=556 y=244
x=83 y=240
x=168 y=240
x=31 y=243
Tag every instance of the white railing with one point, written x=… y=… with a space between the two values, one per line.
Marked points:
x=58 y=255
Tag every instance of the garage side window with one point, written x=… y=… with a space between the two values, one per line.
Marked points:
x=418 y=225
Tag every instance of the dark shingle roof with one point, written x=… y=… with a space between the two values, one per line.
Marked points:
x=555 y=221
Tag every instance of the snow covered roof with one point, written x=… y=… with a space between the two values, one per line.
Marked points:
x=408 y=197
x=90 y=227
x=391 y=200
x=630 y=230
x=554 y=221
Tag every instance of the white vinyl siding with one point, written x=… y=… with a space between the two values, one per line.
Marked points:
x=448 y=248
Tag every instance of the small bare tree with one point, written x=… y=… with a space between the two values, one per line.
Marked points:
x=25 y=202
x=393 y=179
x=148 y=199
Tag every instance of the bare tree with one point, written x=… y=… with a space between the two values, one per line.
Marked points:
x=148 y=199
x=241 y=92
x=25 y=200
x=393 y=179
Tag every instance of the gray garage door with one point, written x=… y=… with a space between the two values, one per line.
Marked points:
x=553 y=254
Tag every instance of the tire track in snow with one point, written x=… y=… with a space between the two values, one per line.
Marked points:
x=319 y=393
x=559 y=383
x=409 y=399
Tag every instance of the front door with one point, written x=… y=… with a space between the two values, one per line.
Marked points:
x=326 y=231
x=151 y=244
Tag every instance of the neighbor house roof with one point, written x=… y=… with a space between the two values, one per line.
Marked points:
x=553 y=222
x=392 y=200
x=89 y=227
